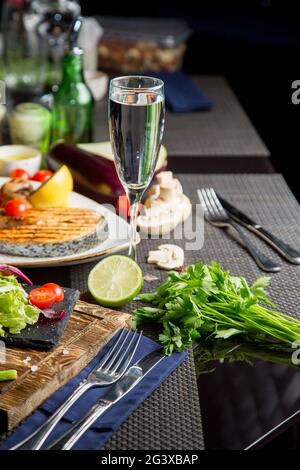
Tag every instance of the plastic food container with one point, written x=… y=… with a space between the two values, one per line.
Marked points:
x=133 y=45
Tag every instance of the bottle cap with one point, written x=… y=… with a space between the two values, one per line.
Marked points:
x=72 y=38
x=77 y=50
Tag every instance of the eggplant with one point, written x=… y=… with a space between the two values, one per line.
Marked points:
x=95 y=172
x=94 y=175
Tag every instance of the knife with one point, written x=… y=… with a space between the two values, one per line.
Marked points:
x=117 y=391
x=289 y=253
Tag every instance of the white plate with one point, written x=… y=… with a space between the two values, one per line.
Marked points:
x=118 y=238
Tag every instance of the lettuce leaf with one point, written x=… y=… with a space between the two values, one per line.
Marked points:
x=15 y=311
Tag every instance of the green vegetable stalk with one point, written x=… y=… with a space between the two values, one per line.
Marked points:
x=206 y=301
x=8 y=375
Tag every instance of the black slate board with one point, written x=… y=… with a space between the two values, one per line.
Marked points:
x=46 y=333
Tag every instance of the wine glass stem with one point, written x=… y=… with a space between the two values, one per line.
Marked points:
x=134 y=200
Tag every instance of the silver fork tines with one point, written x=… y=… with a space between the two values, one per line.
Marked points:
x=110 y=352
x=118 y=359
x=110 y=369
x=213 y=210
x=215 y=213
x=130 y=349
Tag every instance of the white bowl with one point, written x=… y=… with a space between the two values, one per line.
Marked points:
x=30 y=159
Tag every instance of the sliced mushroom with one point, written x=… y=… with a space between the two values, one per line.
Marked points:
x=153 y=195
x=150 y=277
x=165 y=179
x=167 y=257
x=165 y=207
x=186 y=207
x=159 y=220
x=154 y=191
x=158 y=256
x=168 y=193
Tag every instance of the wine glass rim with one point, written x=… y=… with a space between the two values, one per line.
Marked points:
x=159 y=85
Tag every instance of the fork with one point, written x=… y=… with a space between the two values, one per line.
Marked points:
x=109 y=369
x=215 y=213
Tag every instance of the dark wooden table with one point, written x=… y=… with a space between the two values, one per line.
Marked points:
x=241 y=405
x=223 y=140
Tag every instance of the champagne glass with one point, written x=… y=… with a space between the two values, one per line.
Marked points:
x=136 y=122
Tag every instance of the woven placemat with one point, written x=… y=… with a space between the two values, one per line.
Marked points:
x=265 y=198
x=170 y=417
x=224 y=131
x=268 y=200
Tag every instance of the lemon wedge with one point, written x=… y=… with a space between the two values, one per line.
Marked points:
x=55 y=191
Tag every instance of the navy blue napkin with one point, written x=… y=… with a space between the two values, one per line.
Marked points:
x=182 y=94
x=102 y=429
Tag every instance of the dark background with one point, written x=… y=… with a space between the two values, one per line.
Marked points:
x=256 y=45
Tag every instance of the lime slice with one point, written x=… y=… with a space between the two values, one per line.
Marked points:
x=115 y=281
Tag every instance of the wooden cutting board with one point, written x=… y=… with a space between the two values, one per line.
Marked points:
x=90 y=327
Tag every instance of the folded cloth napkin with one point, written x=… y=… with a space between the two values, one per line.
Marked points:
x=102 y=429
x=182 y=94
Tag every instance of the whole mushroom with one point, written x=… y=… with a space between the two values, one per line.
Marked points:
x=15 y=188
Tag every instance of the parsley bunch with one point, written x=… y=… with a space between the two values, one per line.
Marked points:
x=205 y=301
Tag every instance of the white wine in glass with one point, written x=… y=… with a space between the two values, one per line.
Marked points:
x=136 y=121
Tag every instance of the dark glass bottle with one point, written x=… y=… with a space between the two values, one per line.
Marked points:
x=73 y=103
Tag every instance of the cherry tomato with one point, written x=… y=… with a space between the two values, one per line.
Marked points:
x=16 y=207
x=42 y=297
x=42 y=176
x=19 y=173
x=59 y=293
x=123 y=206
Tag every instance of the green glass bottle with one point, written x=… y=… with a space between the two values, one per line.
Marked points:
x=73 y=103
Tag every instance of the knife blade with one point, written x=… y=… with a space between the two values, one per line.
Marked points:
x=285 y=250
x=117 y=391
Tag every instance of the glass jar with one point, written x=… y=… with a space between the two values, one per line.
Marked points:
x=30 y=124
